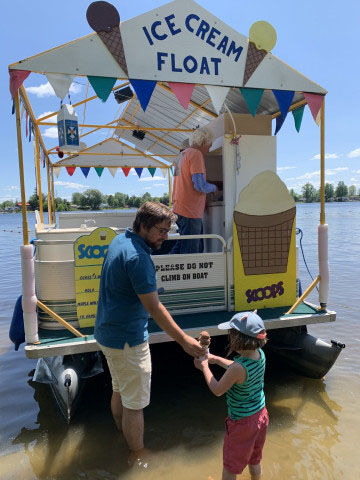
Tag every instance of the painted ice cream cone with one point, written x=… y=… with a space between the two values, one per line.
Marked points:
x=105 y=19
x=264 y=217
x=253 y=59
x=113 y=42
x=262 y=38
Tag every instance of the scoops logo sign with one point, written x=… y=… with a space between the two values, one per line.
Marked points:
x=89 y=252
x=265 y=293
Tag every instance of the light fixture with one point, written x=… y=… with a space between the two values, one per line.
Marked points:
x=123 y=95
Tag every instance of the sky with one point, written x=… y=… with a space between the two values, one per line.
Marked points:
x=319 y=38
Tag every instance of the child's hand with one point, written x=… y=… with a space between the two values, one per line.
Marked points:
x=201 y=362
x=211 y=358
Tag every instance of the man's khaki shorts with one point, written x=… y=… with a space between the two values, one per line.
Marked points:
x=130 y=371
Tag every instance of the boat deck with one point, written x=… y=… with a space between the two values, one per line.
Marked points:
x=63 y=342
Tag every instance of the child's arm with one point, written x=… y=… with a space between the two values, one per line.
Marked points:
x=236 y=373
x=222 y=362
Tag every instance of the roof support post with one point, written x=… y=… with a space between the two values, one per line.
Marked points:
x=38 y=176
x=25 y=225
x=322 y=163
x=52 y=193
x=49 y=190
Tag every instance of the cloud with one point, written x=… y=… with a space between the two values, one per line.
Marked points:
x=354 y=153
x=45 y=90
x=50 y=119
x=159 y=185
x=327 y=156
x=7 y=197
x=11 y=187
x=147 y=188
x=151 y=179
x=280 y=169
x=51 y=132
x=70 y=184
x=310 y=175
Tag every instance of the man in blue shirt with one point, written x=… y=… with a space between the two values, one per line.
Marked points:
x=128 y=294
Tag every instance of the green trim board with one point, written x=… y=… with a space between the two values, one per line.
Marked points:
x=185 y=321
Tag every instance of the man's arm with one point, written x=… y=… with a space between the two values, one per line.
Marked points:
x=165 y=321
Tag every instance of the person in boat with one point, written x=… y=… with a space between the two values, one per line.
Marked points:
x=127 y=296
x=190 y=189
x=243 y=382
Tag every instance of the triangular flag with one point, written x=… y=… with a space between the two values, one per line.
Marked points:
x=183 y=92
x=26 y=123
x=126 y=170
x=314 y=101
x=70 y=170
x=17 y=78
x=172 y=170
x=85 y=170
x=60 y=83
x=279 y=123
x=318 y=117
x=252 y=97
x=102 y=86
x=30 y=129
x=99 y=170
x=143 y=90
x=57 y=171
x=139 y=171
x=164 y=171
x=112 y=170
x=152 y=171
x=284 y=99
x=13 y=107
x=217 y=95
x=298 y=115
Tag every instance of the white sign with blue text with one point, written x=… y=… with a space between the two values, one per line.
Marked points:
x=182 y=42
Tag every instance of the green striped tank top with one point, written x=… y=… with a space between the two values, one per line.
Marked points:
x=247 y=398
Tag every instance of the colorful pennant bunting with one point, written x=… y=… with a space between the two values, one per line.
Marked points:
x=70 y=170
x=17 y=78
x=152 y=171
x=60 y=83
x=126 y=170
x=102 y=86
x=298 y=116
x=164 y=171
x=279 y=123
x=112 y=170
x=13 y=107
x=183 y=92
x=252 y=97
x=56 y=171
x=85 y=171
x=143 y=89
x=30 y=129
x=217 y=96
x=284 y=99
x=139 y=171
x=315 y=102
x=99 y=170
x=26 y=123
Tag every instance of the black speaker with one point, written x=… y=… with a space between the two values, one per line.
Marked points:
x=123 y=95
x=139 y=134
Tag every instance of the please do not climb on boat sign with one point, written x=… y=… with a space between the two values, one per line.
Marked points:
x=89 y=252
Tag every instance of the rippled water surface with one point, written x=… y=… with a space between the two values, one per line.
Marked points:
x=314 y=425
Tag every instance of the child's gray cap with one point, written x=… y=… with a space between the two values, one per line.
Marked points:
x=248 y=323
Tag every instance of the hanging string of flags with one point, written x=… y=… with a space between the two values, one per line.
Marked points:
x=112 y=170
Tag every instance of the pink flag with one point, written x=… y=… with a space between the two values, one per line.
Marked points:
x=16 y=79
x=314 y=101
x=183 y=92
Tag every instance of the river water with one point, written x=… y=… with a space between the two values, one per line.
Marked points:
x=314 y=425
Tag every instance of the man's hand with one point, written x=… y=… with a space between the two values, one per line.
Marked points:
x=192 y=346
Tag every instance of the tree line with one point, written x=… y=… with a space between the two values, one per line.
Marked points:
x=91 y=199
x=339 y=193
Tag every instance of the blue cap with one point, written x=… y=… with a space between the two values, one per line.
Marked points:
x=248 y=323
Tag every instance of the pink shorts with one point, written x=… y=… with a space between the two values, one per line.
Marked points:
x=244 y=441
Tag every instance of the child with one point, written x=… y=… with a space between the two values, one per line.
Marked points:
x=243 y=381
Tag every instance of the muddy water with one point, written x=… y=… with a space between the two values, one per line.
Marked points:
x=314 y=425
